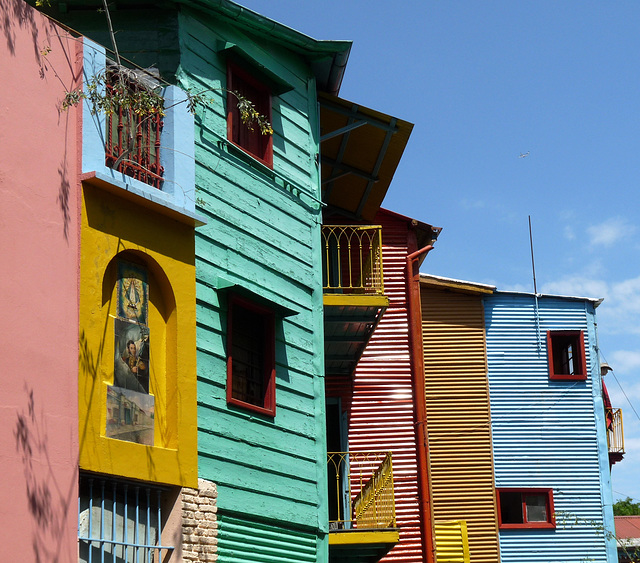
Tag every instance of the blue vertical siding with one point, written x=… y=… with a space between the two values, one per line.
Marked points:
x=548 y=433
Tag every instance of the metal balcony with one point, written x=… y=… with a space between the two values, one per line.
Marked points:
x=615 y=434
x=352 y=261
x=354 y=296
x=362 y=524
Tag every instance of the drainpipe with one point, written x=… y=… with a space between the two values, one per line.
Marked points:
x=419 y=401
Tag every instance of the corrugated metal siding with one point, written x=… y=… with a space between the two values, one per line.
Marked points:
x=247 y=541
x=544 y=432
x=452 y=543
x=458 y=417
x=382 y=408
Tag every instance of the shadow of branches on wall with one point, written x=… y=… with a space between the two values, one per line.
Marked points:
x=50 y=502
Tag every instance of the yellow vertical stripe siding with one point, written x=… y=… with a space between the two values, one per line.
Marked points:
x=458 y=417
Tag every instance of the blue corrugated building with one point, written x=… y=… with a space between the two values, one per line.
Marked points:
x=521 y=432
x=549 y=429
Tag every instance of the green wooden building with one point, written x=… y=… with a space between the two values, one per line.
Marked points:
x=267 y=286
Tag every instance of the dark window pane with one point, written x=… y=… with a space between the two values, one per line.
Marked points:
x=511 y=508
x=248 y=356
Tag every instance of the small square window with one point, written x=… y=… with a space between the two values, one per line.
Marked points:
x=251 y=356
x=248 y=137
x=566 y=354
x=525 y=508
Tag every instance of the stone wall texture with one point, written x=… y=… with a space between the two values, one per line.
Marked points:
x=199 y=523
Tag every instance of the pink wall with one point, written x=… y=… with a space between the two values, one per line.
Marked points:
x=38 y=289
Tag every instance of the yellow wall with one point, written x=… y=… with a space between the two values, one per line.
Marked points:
x=114 y=228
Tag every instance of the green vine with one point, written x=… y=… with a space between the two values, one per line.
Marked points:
x=131 y=95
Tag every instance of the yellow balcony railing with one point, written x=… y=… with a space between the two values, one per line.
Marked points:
x=361 y=491
x=352 y=259
x=615 y=433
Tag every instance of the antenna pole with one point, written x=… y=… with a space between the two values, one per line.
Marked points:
x=533 y=263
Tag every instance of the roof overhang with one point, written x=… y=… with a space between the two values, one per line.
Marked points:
x=327 y=59
x=360 y=150
x=460 y=286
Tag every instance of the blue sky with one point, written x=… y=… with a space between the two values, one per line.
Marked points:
x=484 y=82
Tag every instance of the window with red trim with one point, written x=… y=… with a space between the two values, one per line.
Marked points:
x=525 y=508
x=251 y=373
x=132 y=144
x=248 y=136
x=566 y=354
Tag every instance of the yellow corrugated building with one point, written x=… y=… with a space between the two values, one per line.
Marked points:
x=459 y=419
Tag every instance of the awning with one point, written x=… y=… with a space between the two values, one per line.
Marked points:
x=360 y=150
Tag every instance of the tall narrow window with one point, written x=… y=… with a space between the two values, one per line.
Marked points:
x=248 y=136
x=251 y=356
x=133 y=139
x=566 y=354
x=526 y=508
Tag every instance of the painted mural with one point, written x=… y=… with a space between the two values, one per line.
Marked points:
x=130 y=406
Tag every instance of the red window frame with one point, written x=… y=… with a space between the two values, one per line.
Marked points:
x=558 y=342
x=262 y=321
x=546 y=493
x=143 y=163
x=248 y=138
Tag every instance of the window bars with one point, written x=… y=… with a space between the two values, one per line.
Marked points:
x=119 y=521
x=132 y=145
x=361 y=492
x=352 y=259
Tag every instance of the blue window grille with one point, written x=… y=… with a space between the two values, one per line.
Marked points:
x=119 y=522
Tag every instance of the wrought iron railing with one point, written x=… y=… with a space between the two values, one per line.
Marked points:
x=132 y=145
x=361 y=491
x=352 y=259
x=615 y=431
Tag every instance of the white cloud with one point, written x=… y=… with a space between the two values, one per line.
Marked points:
x=610 y=231
x=569 y=233
x=580 y=286
x=625 y=361
x=620 y=311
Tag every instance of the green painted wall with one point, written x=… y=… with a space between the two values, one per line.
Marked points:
x=246 y=541
x=263 y=233
x=148 y=37
x=265 y=236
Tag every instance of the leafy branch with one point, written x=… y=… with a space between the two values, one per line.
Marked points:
x=131 y=94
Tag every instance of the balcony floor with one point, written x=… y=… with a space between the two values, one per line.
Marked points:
x=347 y=329
x=361 y=546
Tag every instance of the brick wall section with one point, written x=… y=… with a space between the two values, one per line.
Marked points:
x=199 y=523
